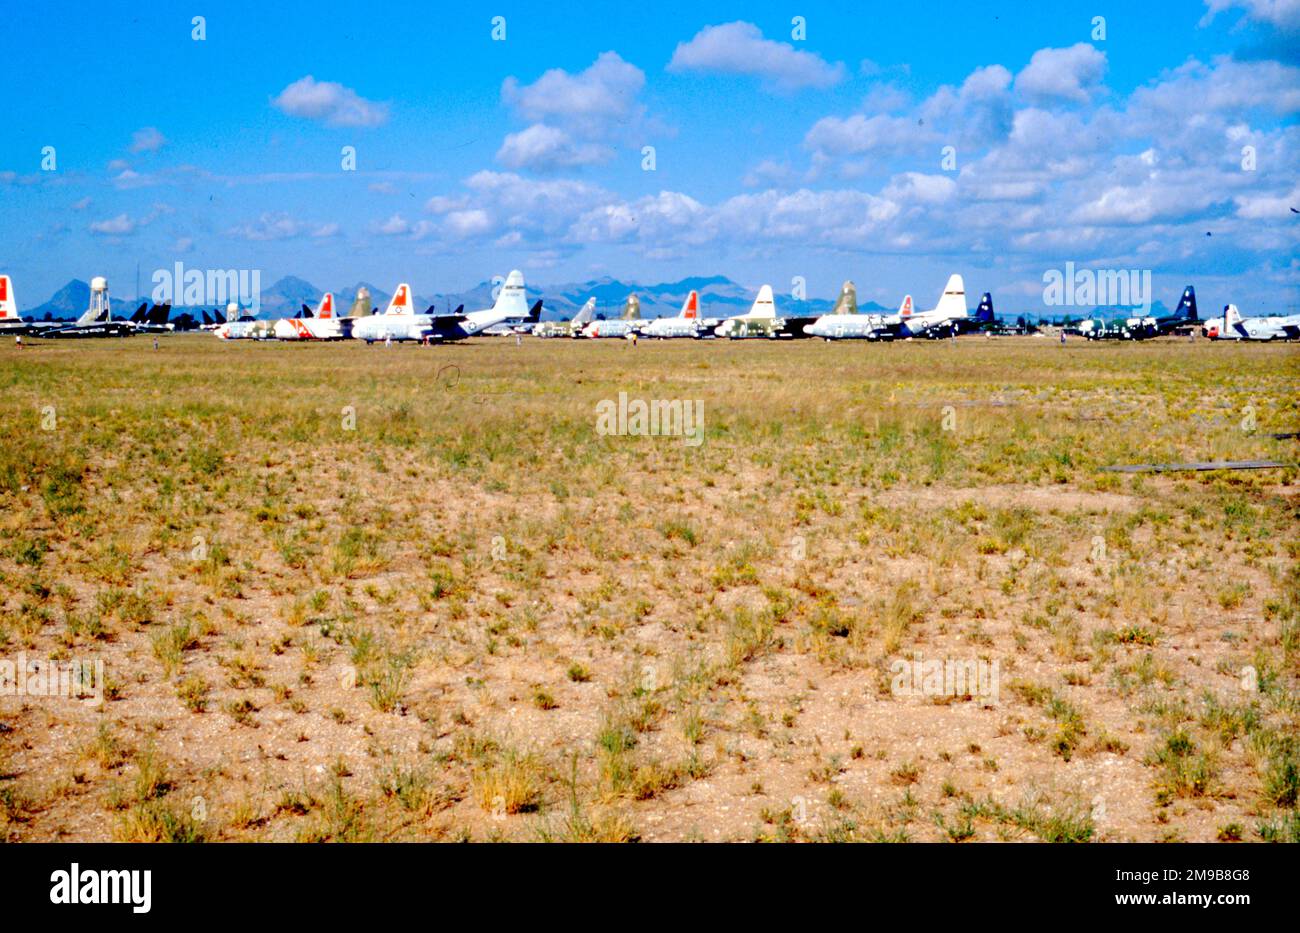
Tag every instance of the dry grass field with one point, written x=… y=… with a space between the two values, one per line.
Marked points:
x=351 y=593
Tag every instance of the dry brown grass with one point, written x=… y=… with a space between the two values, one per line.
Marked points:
x=474 y=599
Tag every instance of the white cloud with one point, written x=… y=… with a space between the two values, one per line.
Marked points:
x=856 y=134
x=273 y=226
x=919 y=188
x=468 y=223
x=588 y=102
x=546 y=148
x=739 y=48
x=82 y=204
x=1070 y=74
x=1281 y=14
x=147 y=139
x=1269 y=206
x=661 y=217
x=121 y=225
x=330 y=102
x=394 y=226
x=126 y=225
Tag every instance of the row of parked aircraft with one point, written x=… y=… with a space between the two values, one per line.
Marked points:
x=510 y=313
x=949 y=317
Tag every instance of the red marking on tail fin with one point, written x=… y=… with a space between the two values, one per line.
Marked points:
x=906 y=310
x=327 y=305
x=692 y=306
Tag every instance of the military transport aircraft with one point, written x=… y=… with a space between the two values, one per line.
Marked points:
x=11 y=322
x=321 y=325
x=624 y=326
x=1232 y=326
x=1144 y=328
x=569 y=328
x=685 y=324
x=398 y=323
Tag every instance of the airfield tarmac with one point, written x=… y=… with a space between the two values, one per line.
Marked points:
x=346 y=592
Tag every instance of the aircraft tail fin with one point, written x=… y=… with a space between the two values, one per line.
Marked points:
x=8 y=304
x=534 y=313
x=905 y=309
x=847 y=303
x=632 y=309
x=984 y=313
x=583 y=316
x=764 y=306
x=1187 y=304
x=691 y=307
x=953 y=301
x=512 y=300
x=325 y=309
x=207 y=318
x=361 y=306
x=1231 y=316
x=401 y=301
x=159 y=314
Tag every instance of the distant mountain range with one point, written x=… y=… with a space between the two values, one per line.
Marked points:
x=719 y=297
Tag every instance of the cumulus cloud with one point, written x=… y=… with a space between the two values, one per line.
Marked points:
x=1070 y=74
x=546 y=148
x=859 y=133
x=591 y=101
x=329 y=102
x=1281 y=14
x=739 y=48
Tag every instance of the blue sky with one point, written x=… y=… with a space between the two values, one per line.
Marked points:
x=775 y=156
